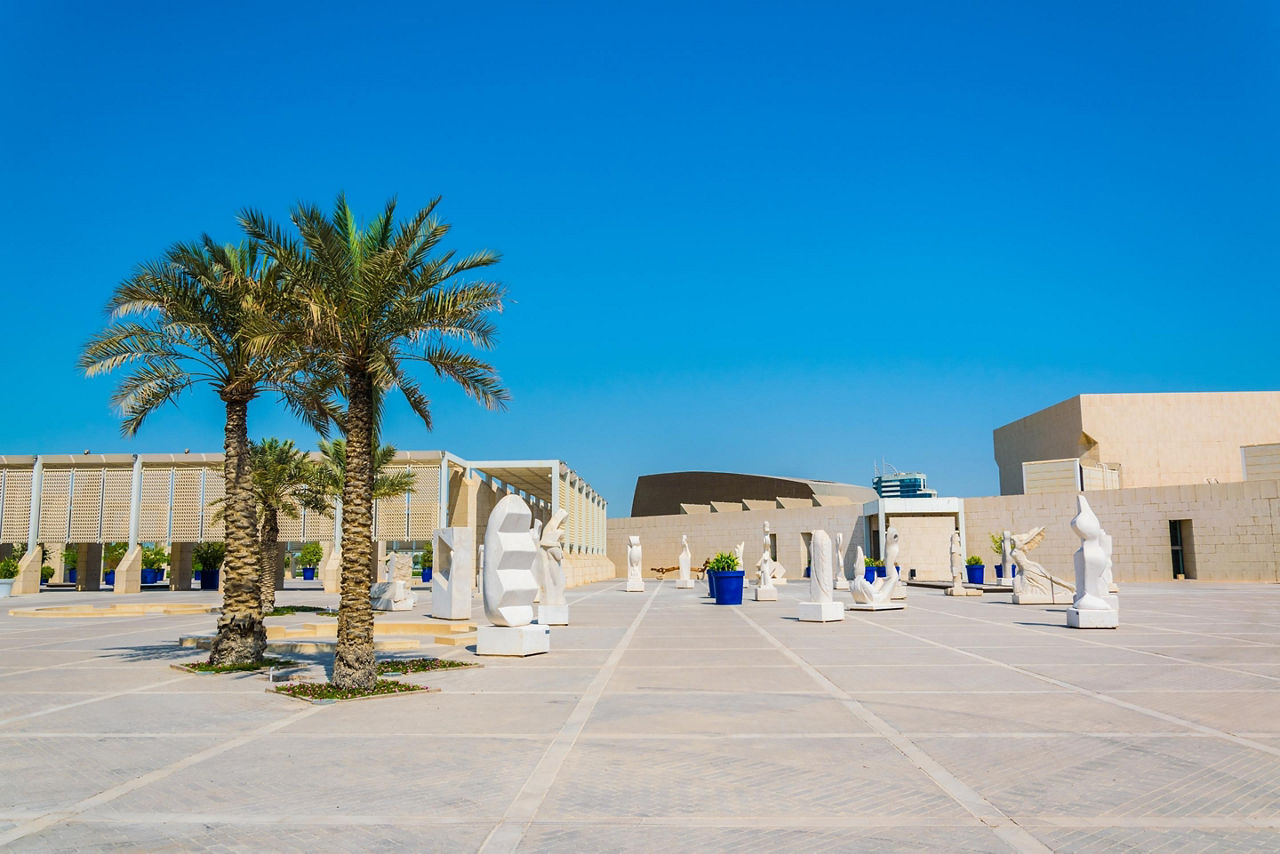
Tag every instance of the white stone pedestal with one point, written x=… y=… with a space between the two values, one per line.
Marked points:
x=513 y=640
x=878 y=606
x=819 y=612
x=392 y=596
x=841 y=583
x=963 y=591
x=684 y=583
x=553 y=615
x=1092 y=619
x=1032 y=599
x=766 y=594
x=634 y=586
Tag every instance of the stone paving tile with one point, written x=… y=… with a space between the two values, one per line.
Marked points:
x=761 y=779
x=38 y=776
x=1224 y=710
x=573 y=680
x=80 y=679
x=945 y=677
x=623 y=837
x=880 y=654
x=1115 y=777
x=704 y=658
x=716 y=714
x=282 y=837
x=214 y=713
x=700 y=678
x=1054 y=712
x=472 y=779
x=14 y=704
x=1030 y=656
x=1155 y=677
x=1228 y=655
x=443 y=714
x=1164 y=840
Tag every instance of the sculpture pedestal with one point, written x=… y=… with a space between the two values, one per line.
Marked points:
x=1092 y=619
x=877 y=606
x=392 y=596
x=513 y=640
x=684 y=583
x=819 y=612
x=900 y=595
x=1032 y=599
x=962 y=591
x=634 y=586
x=841 y=583
x=766 y=594
x=553 y=615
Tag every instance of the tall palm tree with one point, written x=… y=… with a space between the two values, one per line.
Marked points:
x=284 y=479
x=183 y=320
x=374 y=300
x=331 y=472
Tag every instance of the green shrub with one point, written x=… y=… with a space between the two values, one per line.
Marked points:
x=723 y=562
x=154 y=557
x=112 y=554
x=424 y=558
x=46 y=573
x=209 y=555
x=997 y=544
x=973 y=560
x=873 y=561
x=9 y=567
x=311 y=555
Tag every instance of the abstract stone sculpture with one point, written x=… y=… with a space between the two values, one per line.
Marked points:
x=820 y=608
x=395 y=593
x=1033 y=585
x=553 y=610
x=635 y=581
x=838 y=580
x=1094 y=606
x=1006 y=559
x=878 y=598
x=510 y=554
x=452 y=580
x=684 y=580
x=764 y=590
x=957 y=587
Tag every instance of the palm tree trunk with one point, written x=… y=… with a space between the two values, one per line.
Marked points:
x=269 y=560
x=241 y=638
x=353 y=665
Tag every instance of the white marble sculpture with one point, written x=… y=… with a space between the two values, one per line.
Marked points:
x=684 y=580
x=777 y=572
x=838 y=580
x=737 y=552
x=1033 y=585
x=820 y=608
x=892 y=545
x=765 y=591
x=880 y=597
x=552 y=610
x=1006 y=558
x=510 y=555
x=1093 y=606
x=454 y=575
x=395 y=593
x=957 y=587
x=635 y=580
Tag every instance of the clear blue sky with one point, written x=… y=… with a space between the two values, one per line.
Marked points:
x=786 y=239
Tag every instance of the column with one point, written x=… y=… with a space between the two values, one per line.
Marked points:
x=88 y=566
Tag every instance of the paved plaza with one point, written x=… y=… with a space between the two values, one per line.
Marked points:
x=662 y=722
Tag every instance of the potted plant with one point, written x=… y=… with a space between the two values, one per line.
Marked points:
x=997 y=546
x=974 y=569
x=8 y=572
x=425 y=562
x=310 y=558
x=728 y=578
x=209 y=557
x=874 y=566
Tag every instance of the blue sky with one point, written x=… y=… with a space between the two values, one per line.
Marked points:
x=786 y=238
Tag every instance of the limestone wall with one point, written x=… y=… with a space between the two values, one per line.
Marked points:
x=1235 y=529
x=925 y=545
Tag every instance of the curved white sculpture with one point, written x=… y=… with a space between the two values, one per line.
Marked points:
x=684 y=580
x=957 y=587
x=820 y=608
x=552 y=611
x=510 y=558
x=838 y=579
x=1033 y=585
x=635 y=580
x=868 y=597
x=1094 y=606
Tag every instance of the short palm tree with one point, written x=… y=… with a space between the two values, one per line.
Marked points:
x=284 y=480
x=331 y=472
x=180 y=321
x=375 y=299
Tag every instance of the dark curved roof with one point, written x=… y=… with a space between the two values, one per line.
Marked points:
x=662 y=494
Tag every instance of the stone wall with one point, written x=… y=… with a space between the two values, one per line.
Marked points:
x=1235 y=529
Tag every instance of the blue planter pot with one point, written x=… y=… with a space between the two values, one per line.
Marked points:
x=209 y=579
x=109 y=577
x=975 y=573
x=1013 y=570
x=308 y=573
x=882 y=572
x=426 y=572
x=869 y=574
x=70 y=576
x=711 y=583
x=148 y=576
x=729 y=587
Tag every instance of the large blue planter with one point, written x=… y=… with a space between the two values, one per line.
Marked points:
x=1013 y=570
x=426 y=572
x=308 y=573
x=711 y=583
x=109 y=577
x=729 y=587
x=882 y=572
x=70 y=576
x=869 y=574
x=209 y=579
x=975 y=573
x=148 y=576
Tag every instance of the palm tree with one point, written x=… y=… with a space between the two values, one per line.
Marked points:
x=184 y=320
x=331 y=472
x=375 y=299
x=283 y=481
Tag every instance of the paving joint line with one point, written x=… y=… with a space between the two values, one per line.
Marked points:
x=1004 y=827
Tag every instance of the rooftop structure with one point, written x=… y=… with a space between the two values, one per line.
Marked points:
x=902 y=484
x=674 y=493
